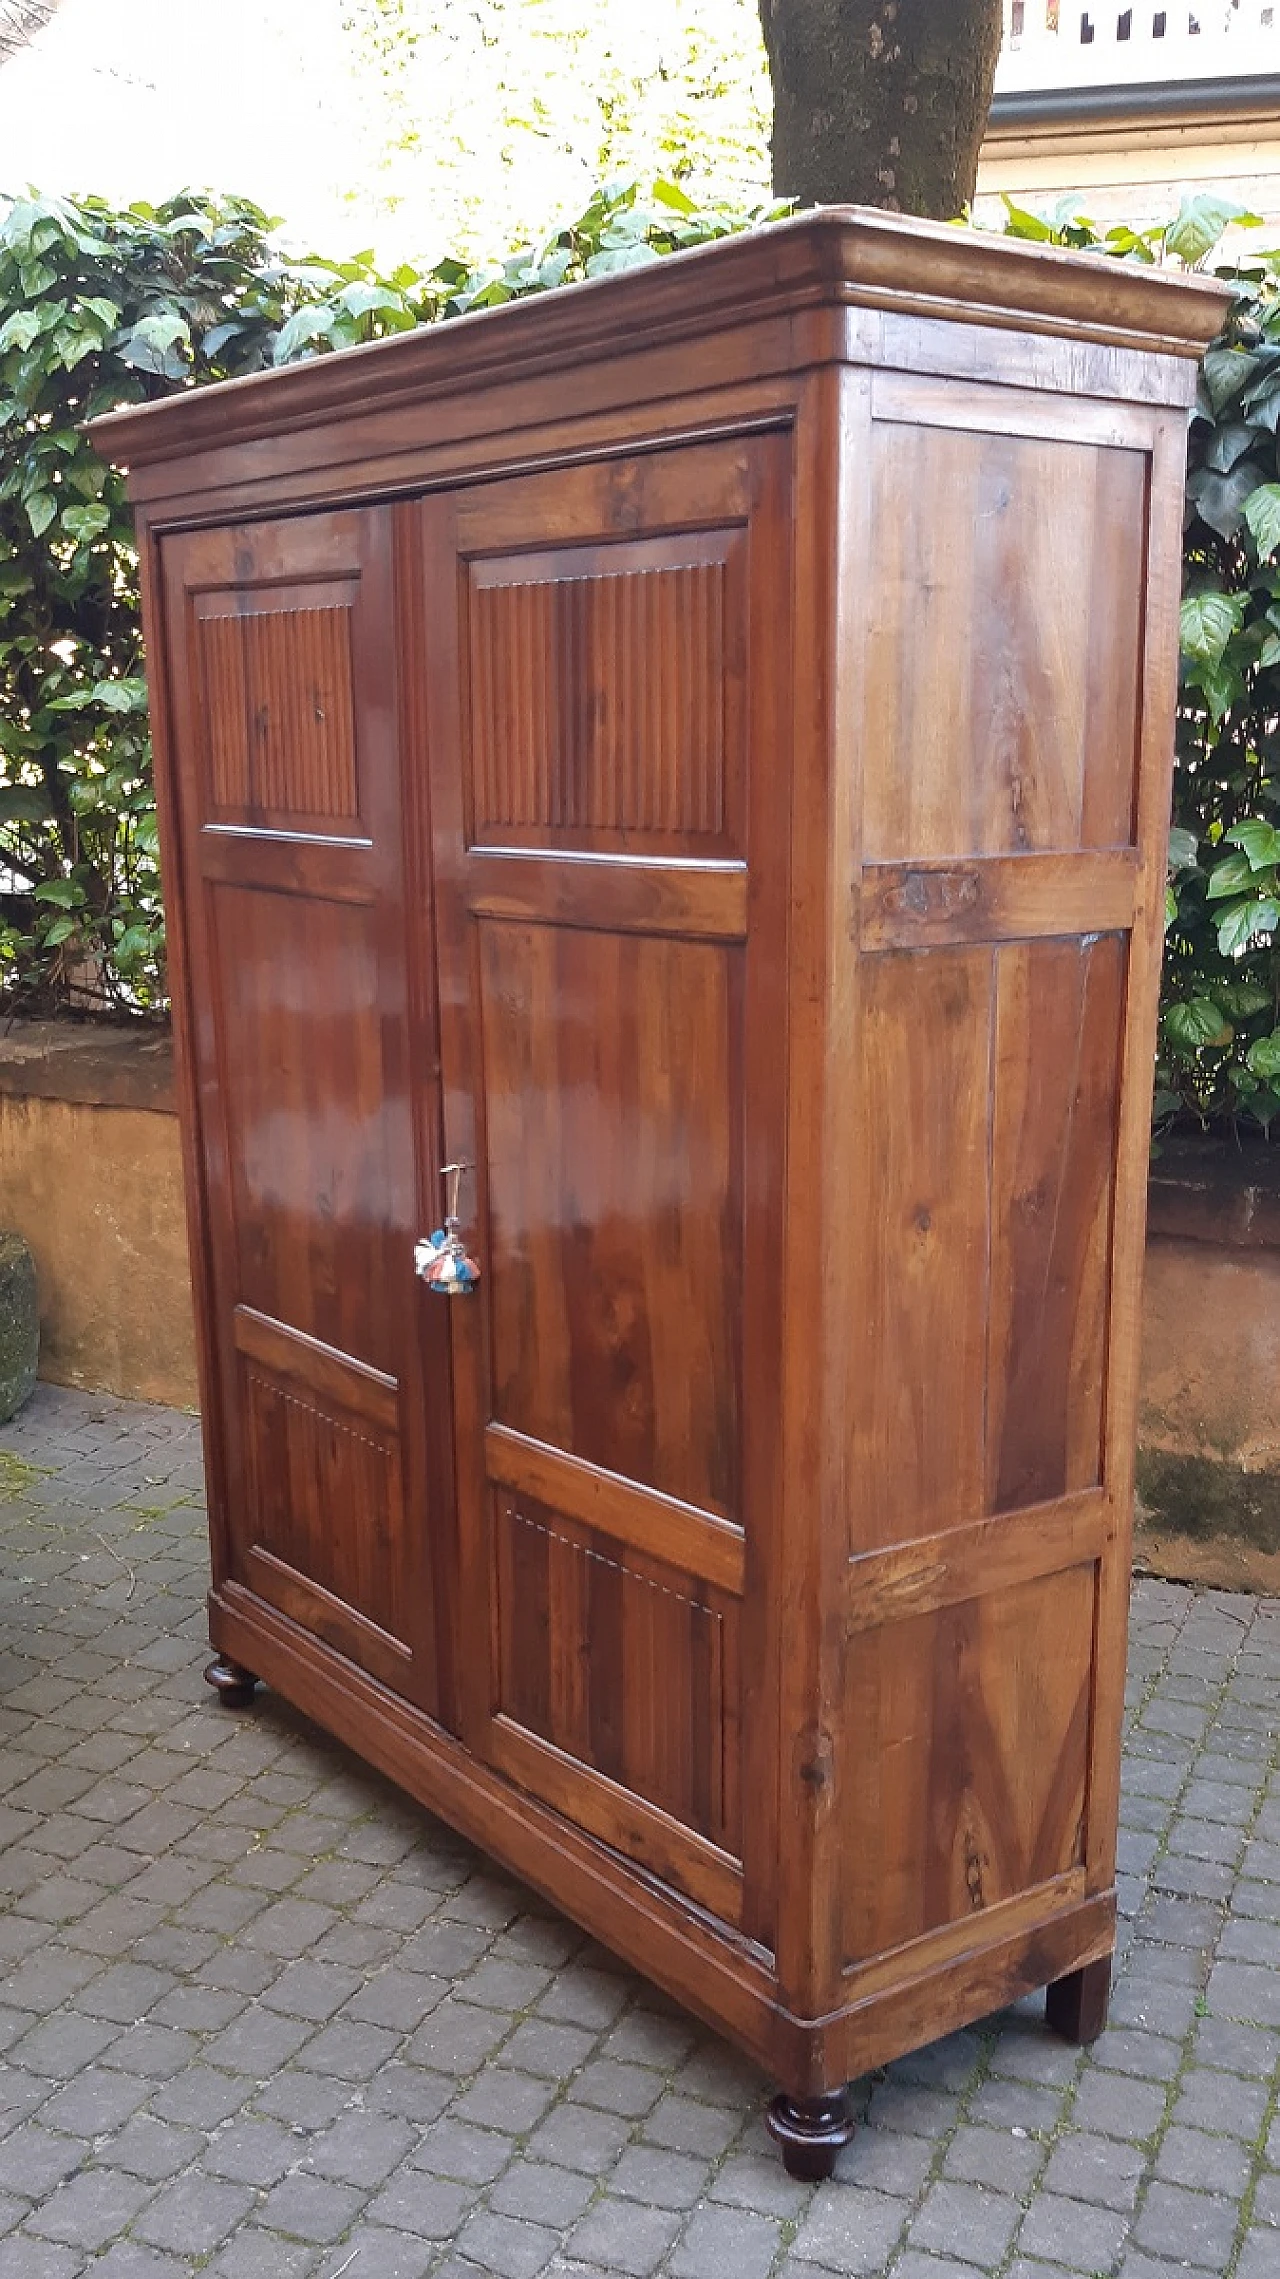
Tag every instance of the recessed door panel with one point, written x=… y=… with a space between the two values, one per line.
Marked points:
x=612 y=1076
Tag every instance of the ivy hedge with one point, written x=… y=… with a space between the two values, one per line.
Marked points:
x=102 y=306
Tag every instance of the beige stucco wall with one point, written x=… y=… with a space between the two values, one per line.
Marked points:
x=96 y=1192
x=1209 y=1416
x=1132 y=175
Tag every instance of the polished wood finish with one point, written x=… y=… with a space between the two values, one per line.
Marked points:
x=696 y=753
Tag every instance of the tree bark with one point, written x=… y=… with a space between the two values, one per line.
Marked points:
x=880 y=102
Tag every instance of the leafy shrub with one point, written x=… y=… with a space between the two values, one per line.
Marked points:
x=100 y=307
x=1219 y=1055
x=97 y=308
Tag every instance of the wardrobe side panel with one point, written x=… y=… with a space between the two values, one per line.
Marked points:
x=1000 y=745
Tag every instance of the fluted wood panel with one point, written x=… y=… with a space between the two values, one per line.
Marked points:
x=622 y=1663
x=600 y=708
x=309 y=1467
x=279 y=710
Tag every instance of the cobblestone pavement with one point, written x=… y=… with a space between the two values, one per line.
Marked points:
x=260 y=2016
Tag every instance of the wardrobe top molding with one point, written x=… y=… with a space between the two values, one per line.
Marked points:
x=834 y=259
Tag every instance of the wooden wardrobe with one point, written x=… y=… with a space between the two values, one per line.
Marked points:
x=694 y=750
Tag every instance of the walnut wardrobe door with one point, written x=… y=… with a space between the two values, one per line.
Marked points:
x=610 y=659
x=282 y=636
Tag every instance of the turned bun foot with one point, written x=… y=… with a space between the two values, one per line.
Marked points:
x=1076 y=2006
x=234 y=1685
x=811 y=2131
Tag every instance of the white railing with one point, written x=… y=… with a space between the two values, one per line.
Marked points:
x=1098 y=43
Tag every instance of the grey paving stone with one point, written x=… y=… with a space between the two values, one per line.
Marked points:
x=1204 y=2163
x=409 y=2091
x=618 y=2235
x=301 y=2100
x=685 y=2125
x=258 y=2043
x=1189 y=2227
x=453 y=2148
x=1018 y=2105
x=153 y=2149
x=502 y=2099
x=396 y=1999
x=754 y=2178
x=584 y=1997
x=310 y=2208
x=262 y=2255
x=506 y=2246
x=128 y=2259
x=965 y=2220
x=995 y=2157
x=431 y=2207
x=24 y=2258
x=91 y=2208
x=253 y=2152
x=543 y=2194
x=664 y=2179
x=456 y=2038
x=849 y=2231
x=1070 y=2232
x=629 y=2090
x=644 y=2038
x=379 y=2255
x=718 y=2241
x=1257 y=2257
x=1245 y=1991
x=1101 y=2170
x=33 y=2160
x=361 y=2149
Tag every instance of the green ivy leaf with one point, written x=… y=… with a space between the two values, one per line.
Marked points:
x=1244 y=921
x=1262 y=514
x=1233 y=875
x=126 y=695
x=304 y=329
x=1196 y=1023
x=1259 y=842
x=1242 y=999
x=65 y=892
x=1184 y=847
x=159 y=344
x=1207 y=623
x=1263 y=1056
x=1200 y=222
x=84 y=523
x=42 y=506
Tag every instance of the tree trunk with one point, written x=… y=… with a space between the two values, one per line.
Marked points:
x=880 y=102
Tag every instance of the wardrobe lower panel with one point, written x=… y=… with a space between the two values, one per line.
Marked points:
x=898 y=2002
